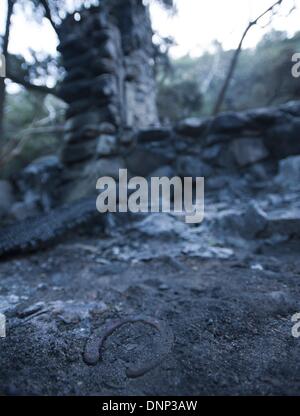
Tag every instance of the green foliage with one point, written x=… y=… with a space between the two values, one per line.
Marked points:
x=179 y=100
x=28 y=116
x=34 y=148
x=263 y=77
x=22 y=110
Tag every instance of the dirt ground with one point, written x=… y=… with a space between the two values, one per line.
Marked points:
x=221 y=326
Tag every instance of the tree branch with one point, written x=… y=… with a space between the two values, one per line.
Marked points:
x=28 y=85
x=235 y=57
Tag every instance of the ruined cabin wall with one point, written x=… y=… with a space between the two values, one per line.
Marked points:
x=109 y=86
x=232 y=143
x=108 y=57
x=253 y=145
x=133 y=21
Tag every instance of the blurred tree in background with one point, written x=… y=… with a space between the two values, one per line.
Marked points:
x=262 y=78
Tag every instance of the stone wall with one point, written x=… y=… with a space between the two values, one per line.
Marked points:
x=247 y=143
x=133 y=20
x=109 y=86
x=237 y=142
x=256 y=145
x=231 y=143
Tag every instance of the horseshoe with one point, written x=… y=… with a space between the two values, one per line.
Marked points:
x=94 y=345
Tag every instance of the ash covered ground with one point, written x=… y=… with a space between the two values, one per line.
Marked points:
x=221 y=295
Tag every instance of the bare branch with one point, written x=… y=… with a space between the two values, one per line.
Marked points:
x=30 y=86
x=237 y=52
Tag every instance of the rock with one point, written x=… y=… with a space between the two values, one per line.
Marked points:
x=7 y=198
x=255 y=221
x=107 y=128
x=104 y=66
x=22 y=210
x=105 y=85
x=160 y=225
x=211 y=153
x=75 y=90
x=284 y=222
x=229 y=121
x=89 y=131
x=78 y=107
x=213 y=138
x=108 y=50
x=189 y=166
x=143 y=162
x=8 y=303
x=105 y=167
x=248 y=224
x=193 y=127
x=74 y=75
x=261 y=172
x=38 y=183
x=85 y=134
x=140 y=98
x=127 y=137
x=280 y=296
x=85 y=183
x=292 y=107
x=153 y=134
x=164 y=171
x=289 y=172
x=282 y=139
x=82 y=60
x=226 y=159
x=79 y=121
x=106 y=145
x=248 y=151
x=217 y=182
x=74 y=153
x=104 y=34
x=257 y=267
x=263 y=117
